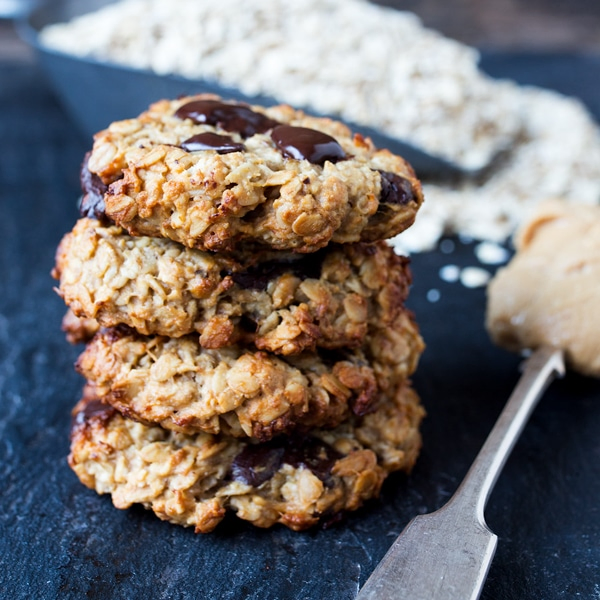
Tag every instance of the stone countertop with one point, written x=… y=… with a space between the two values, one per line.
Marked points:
x=60 y=540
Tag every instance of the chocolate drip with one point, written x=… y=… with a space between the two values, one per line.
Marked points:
x=117 y=332
x=256 y=464
x=223 y=144
x=395 y=189
x=230 y=117
x=302 y=143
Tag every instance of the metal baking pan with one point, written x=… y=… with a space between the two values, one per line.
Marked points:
x=95 y=93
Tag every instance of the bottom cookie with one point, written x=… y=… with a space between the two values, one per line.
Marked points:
x=193 y=480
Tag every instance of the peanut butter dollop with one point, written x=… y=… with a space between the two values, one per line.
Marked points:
x=549 y=293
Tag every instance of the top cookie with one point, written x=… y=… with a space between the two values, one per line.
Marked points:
x=211 y=174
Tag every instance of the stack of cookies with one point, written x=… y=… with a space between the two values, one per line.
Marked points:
x=247 y=343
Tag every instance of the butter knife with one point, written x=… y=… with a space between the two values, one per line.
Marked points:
x=446 y=555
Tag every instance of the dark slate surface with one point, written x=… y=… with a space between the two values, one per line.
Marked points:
x=60 y=540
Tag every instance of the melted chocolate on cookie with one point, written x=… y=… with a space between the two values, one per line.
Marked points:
x=230 y=117
x=223 y=144
x=303 y=143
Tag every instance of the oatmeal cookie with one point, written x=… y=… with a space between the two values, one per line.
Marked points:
x=281 y=302
x=79 y=330
x=212 y=174
x=193 y=480
x=240 y=391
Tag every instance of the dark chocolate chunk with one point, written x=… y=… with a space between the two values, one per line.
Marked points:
x=118 y=332
x=313 y=454
x=395 y=189
x=231 y=117
x=94 y=409
x=330 y=356
x=258 y=276
x=223 y=144
x=257 y=463
x=247 y=325
x=303 y=143
x=92 y=201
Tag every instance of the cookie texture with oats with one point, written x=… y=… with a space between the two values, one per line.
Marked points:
x=194 y=480
x=176 y=383
x=212 y=174
x=281 y=302
x=79 y=330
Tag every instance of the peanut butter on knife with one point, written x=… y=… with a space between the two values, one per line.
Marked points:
x=549 y=293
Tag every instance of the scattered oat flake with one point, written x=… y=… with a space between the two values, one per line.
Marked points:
x=450 y=273
x=490 y=253
x=474 y=277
